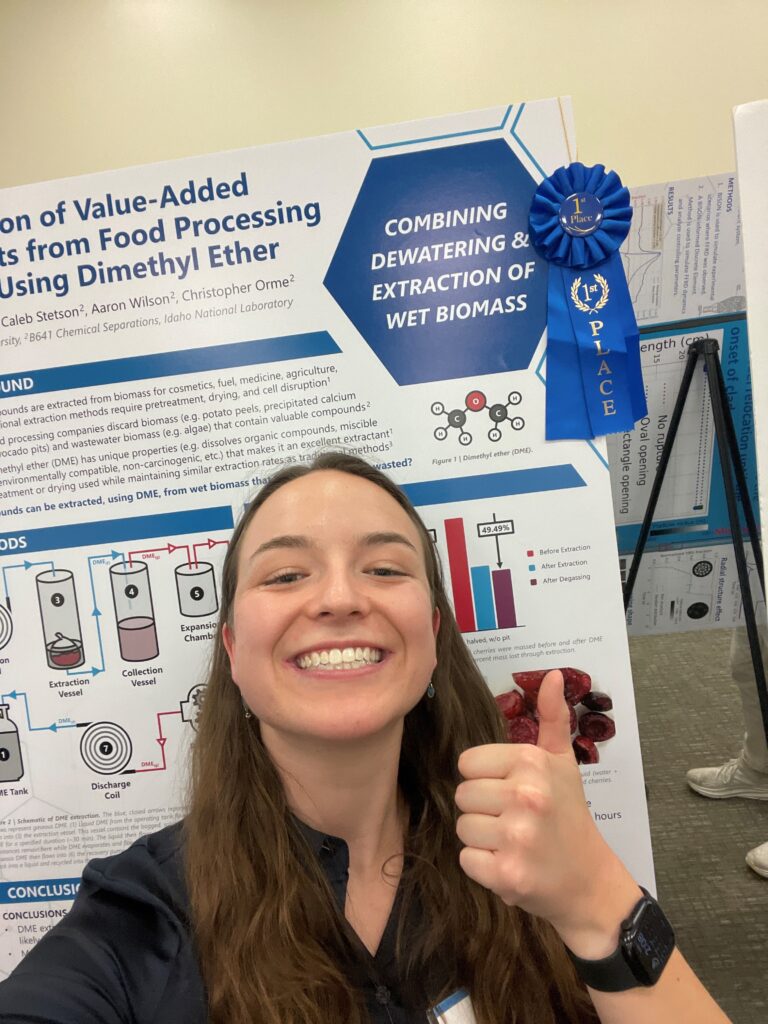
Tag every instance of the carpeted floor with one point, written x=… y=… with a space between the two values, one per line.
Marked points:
x=690 y=715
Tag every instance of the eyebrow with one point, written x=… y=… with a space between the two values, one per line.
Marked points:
x=386 y=537
x=284 y=541
x=296 y=541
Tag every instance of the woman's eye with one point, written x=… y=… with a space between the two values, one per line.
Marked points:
x=283 y=577
x=385 y=570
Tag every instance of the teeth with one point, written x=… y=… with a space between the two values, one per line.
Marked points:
x=335 y=658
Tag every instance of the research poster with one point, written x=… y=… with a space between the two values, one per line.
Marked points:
x=750 y=128
x=684 y=263
x=170 y=335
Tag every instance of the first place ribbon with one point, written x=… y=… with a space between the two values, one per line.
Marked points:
x=579 y=217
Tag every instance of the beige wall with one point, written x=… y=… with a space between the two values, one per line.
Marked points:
x=87 y=85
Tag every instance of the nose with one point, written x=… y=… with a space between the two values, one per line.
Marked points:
x=340 y=593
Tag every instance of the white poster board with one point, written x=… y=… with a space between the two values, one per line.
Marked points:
x=684 y=263
x=750 y=123
x=172 y=333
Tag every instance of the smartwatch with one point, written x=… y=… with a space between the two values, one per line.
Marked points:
x=646 y=941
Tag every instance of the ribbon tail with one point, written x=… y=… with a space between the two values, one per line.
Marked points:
x=607 y=341
x=637 y=391
x=566 y=413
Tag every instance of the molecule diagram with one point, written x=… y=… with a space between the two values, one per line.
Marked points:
x=476 y=401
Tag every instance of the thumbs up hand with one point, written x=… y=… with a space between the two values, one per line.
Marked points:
x=528 y=833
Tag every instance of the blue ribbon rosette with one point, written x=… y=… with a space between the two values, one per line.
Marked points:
x=579 y=217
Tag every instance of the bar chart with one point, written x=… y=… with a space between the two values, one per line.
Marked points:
x=483 y=596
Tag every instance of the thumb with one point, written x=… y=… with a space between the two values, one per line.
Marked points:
x=554 y=716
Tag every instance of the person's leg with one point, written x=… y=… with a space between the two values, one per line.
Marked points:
x=755 y=751
x=747 y=774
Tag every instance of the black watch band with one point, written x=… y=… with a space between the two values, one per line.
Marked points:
x=646 y=941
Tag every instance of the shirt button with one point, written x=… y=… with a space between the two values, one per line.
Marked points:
x=382 y=995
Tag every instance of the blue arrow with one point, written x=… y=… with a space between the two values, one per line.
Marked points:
x=96 y=613
x=19 y=565
x=35 y=728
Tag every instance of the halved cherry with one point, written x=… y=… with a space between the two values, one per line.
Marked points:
x=577 y=684
x=522 y=730
x=511 y=704
x=585 y=750
x=530 y=681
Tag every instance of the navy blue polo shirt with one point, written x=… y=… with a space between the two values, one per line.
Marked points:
x=124 y=953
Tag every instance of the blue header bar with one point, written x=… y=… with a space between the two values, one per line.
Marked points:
x=39 y=890
x=115 y=531
x=167 y=364
x=494 y=485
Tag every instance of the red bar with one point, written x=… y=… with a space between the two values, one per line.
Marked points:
x=505 y=601
x=459 y=566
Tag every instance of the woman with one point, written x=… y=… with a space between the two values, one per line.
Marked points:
x=321 y=874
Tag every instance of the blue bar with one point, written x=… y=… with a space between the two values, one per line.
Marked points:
x=115 y=531
x=39 y=890
x=483 y=595
x=167 y=364
x=494 y=485
x=452 y=1000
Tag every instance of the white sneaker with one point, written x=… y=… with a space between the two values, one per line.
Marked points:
x=733 y=778
x=757 y=859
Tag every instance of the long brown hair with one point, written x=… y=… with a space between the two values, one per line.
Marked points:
x=269 y=935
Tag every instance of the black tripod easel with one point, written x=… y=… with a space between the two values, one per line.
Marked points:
x=731 y=466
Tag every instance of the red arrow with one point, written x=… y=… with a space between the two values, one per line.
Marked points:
x=148 y=551
x=163 y=714
x=209 y=543
x=161 y=741
x=184 y=547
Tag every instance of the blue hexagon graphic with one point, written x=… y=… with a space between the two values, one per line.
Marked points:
x=433 y=266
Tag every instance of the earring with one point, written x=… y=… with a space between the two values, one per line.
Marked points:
x=431 y=690
x=246 y=711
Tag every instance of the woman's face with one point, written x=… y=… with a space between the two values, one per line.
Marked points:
x=332 y=629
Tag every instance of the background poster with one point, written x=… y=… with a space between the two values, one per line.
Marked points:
x=172 y=333
x=684 y=264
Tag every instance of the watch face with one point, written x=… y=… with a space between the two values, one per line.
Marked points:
x=648 y=942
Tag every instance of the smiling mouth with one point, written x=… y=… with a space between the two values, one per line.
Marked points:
x=335 y=659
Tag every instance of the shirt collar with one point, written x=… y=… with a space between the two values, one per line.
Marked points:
x=319 y=842
x=333 y=857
